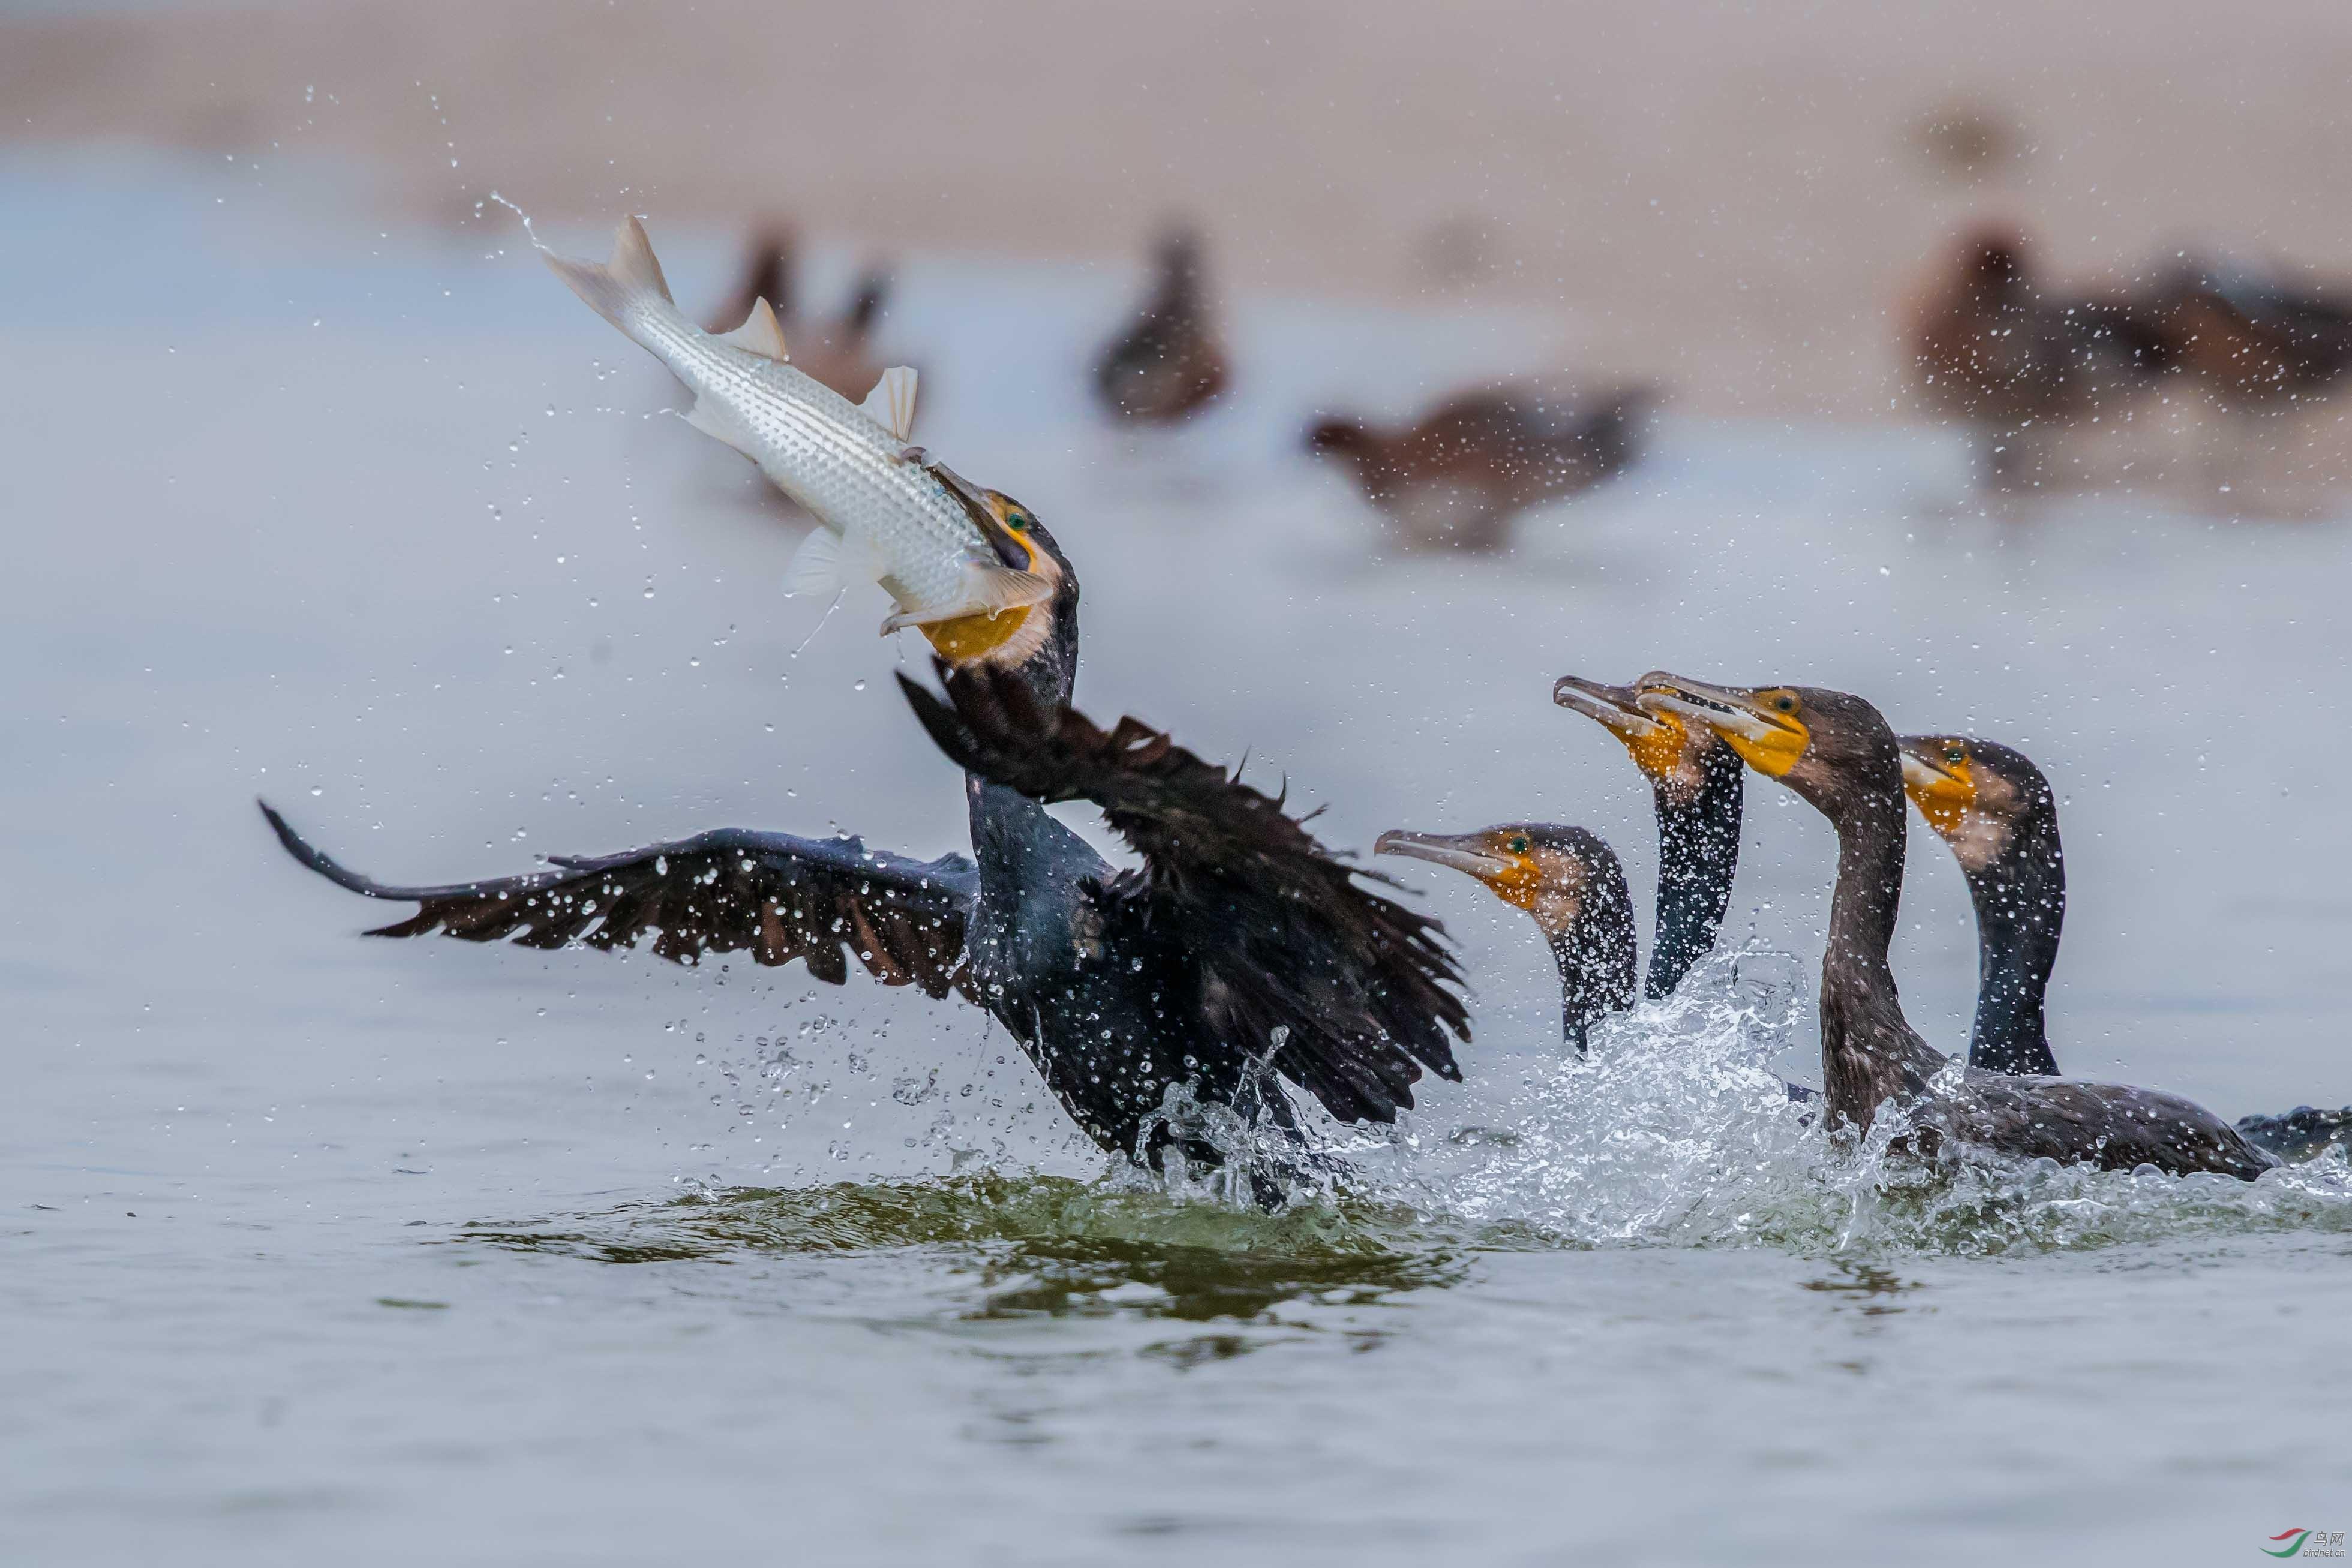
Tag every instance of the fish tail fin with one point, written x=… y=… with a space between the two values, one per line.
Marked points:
x=629 y=290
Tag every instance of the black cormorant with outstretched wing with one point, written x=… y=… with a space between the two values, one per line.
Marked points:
x=1241 y=949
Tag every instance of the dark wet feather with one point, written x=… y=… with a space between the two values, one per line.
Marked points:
x=1287 y=941
x=728 y=890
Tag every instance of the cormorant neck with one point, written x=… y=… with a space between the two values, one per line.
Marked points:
x=2020 y=904
x=1595 y=957
x=1018 y=847
x=1698 y=853
x=1869 y=1053
x=1869 y=891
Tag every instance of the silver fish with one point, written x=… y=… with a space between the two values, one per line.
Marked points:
x=885 y=512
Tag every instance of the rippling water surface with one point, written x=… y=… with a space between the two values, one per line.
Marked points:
x=312 y=1247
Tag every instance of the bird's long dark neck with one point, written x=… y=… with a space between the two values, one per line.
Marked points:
x=1698 y=853
x=1596 y=957
x=1869 y=1051
x=2021 y=902
x=1018 y=848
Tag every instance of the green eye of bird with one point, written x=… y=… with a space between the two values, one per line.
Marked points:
x=1954 y=754
x=1519 y=845
x=1785 y=704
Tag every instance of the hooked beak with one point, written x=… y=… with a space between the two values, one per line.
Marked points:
x=1768 y=736
x=1614 y=706
x=1459 y=850
x=1732 y=714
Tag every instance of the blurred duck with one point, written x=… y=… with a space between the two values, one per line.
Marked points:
x=838 y=352
x=1168 y=363
x=1837 y=753
x=2258 y=343
x=1991 y=350
x=1458 y=476
x=2000 y=816
x=1569 y=881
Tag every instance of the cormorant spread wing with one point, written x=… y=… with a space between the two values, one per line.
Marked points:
x=727 y=891
x=1284 y=942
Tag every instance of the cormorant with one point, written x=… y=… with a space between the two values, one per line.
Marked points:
x=1569 y=881
x=1697 y=786
x=1838 y=754
x=1168 y=363
x=1991 y=348
x=1698 y=790
x=1458 y=476
x=1239 y=950
x=838 y=352
x=2000 y=816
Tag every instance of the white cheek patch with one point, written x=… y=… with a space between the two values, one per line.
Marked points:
x=1981 y=839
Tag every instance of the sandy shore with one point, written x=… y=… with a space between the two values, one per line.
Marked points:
x=1727 y=199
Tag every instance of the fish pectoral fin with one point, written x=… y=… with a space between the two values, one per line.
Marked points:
x=988 y=591
x=891 y=403
x=996 y=589
x=760 y=333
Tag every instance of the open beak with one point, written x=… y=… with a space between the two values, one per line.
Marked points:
x=1732 y=714
x=1613 y=705
x=1460 y=850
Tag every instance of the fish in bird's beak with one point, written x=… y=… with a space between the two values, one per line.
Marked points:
x=1764 y=724
x=1468 y=852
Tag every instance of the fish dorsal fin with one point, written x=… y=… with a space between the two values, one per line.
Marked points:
x=760 y=333
x=891 y=403
x=633 y=260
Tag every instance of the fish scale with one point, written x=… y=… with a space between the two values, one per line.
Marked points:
x=895 y=520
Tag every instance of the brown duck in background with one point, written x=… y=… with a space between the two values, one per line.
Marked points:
x=2257 y=342
x=1168 y=363
x=1990 y=348
x=1457 y=478
x=838 y=352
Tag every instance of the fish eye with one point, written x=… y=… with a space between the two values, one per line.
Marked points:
x=1954 y=754
x=1518 y=844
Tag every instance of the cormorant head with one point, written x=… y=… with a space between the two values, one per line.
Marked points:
x=1671 y=752
x=1042 y=638
x=1974 y=794
x=1833 y=748
x=1552 y=872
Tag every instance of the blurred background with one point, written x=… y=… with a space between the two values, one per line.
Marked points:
x=1375 y=365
